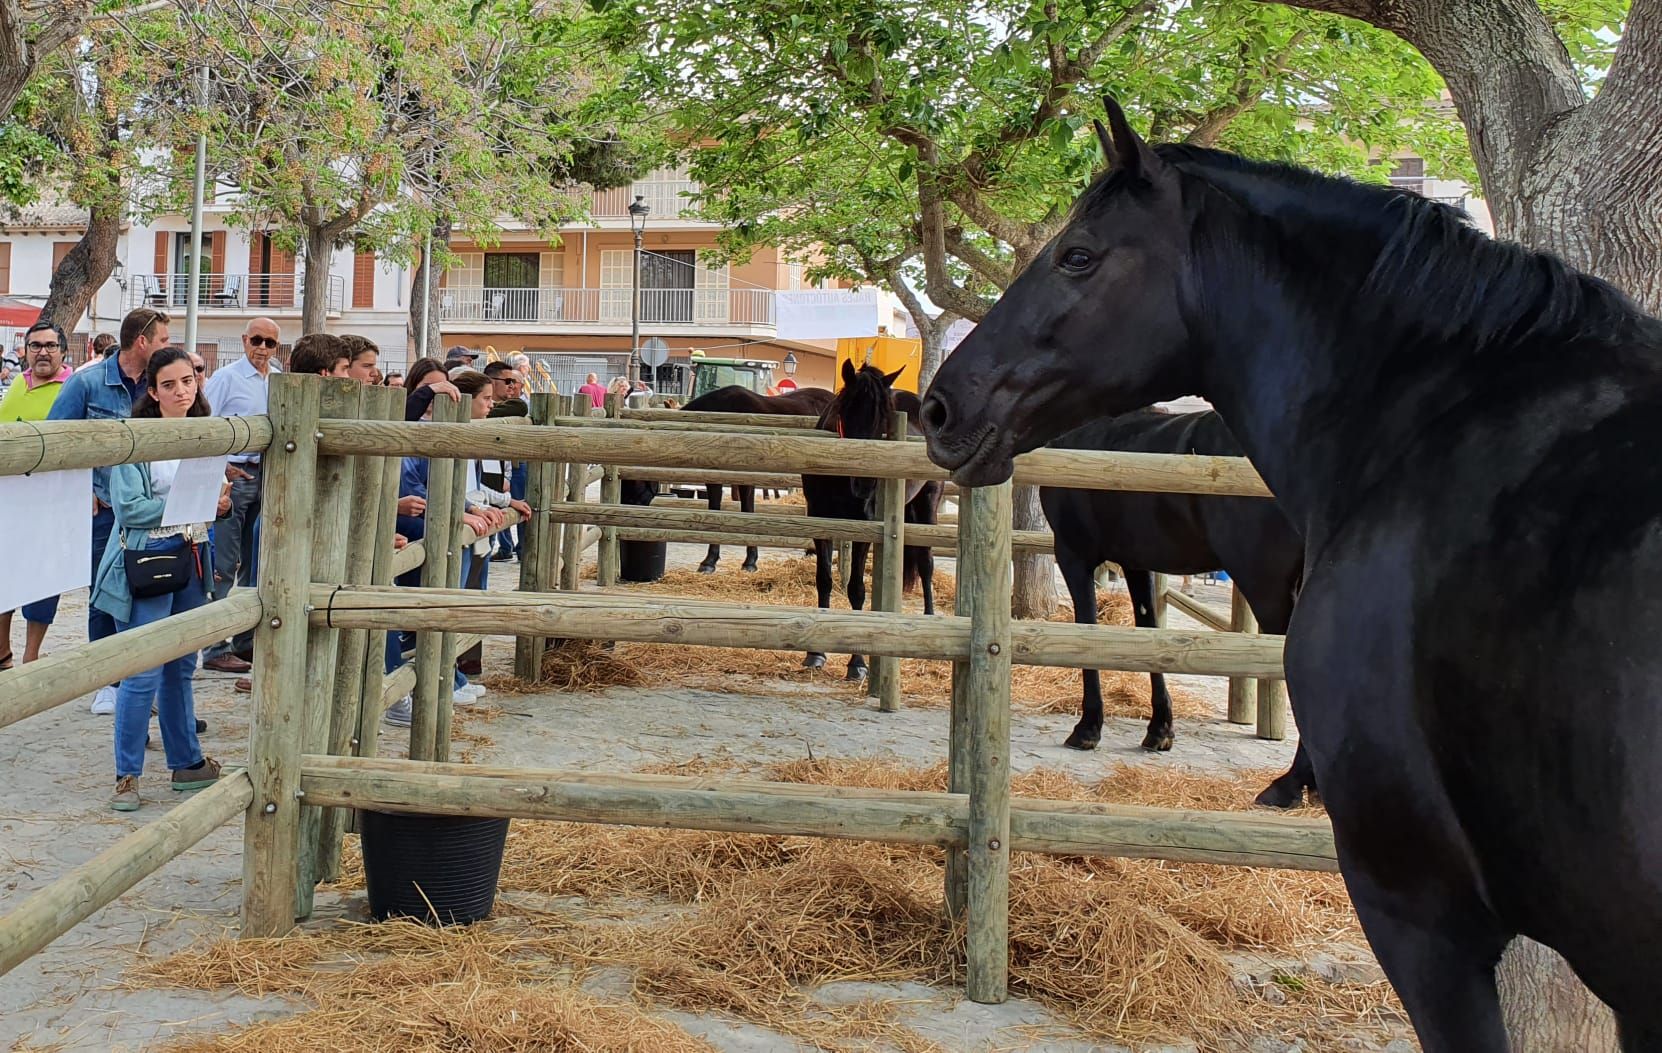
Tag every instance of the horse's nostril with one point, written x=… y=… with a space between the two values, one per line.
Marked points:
x=935 y=414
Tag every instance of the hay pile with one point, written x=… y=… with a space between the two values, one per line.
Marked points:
x=790 y=583
x=1129 y=950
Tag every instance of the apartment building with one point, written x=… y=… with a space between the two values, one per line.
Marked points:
x=566 y=304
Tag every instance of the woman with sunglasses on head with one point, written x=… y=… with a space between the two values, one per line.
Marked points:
x=150 y=572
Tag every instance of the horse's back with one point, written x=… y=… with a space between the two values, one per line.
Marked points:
x=1173 y=533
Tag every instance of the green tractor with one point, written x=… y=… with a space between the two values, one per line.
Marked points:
x=712 y=373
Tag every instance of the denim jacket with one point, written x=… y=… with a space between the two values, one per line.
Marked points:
x=95 y=394
x=137 y=512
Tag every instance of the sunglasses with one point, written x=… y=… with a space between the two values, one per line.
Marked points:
x=263 y=341
x=201 y=369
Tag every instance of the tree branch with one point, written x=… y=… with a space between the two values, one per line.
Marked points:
x=1249 y=88
x=995 y=271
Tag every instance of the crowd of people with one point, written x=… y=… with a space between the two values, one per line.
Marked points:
x=143 y=571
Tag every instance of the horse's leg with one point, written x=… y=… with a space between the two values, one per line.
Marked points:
x=747 y=502
x=822 y=583
x=1082 y=591
x=857 y=600
x=713 y=493
x=1141 y=583
x=1640 y=1034
x=1287 y=791
x=924 y=560
x=1438 y=947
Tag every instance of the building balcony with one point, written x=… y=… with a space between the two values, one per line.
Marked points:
x=557 y=309
x=253 y=294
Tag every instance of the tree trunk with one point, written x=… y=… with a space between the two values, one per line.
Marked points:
x=419 y=282
x=314 y=301
x=84 y=270
x=1034 y=594
x=932 y=333
x=1547 y=1008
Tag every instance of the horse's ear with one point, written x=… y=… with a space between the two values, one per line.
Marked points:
x=1110 y=156
x=890 y=378
x=849 y=373
x=1124 y=148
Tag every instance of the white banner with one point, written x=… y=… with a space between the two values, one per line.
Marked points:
x=194 y=495
x=46 y=519
x=827 y=314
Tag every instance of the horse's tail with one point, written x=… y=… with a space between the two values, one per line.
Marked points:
x=910 y=572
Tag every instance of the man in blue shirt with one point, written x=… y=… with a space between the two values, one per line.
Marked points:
x=240 y=389
x=106 y=392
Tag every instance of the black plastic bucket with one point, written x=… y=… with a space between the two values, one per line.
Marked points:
x=440 y=868
x=641 y=560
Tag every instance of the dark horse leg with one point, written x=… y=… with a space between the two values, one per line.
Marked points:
x=920 y=559
x=1438 y=946
x=713 y=494
x=1077 y=572
x=857 y=600
x=1287 y=791
x=1640 y=1033
x=747 y=502
x=822 y=584
x=1141 y=583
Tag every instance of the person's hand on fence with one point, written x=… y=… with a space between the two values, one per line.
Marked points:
x=445 y=387
x=399 y=541
x=521 y=507
x=476 y=523
x=412 y=505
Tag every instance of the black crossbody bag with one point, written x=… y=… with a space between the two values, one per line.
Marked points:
x=151 y=574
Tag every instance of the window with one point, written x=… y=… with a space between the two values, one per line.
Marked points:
x=511 y=287
x=60 y=249
x=363 y=279
x=1409 y=174
x=5 y=267
x=668 y=279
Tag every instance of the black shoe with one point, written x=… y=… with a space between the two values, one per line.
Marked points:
x=502 y=556
x=201 y=725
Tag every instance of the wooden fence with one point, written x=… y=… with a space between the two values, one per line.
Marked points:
x=326 y=595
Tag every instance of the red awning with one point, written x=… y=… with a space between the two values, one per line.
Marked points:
x=17 y=313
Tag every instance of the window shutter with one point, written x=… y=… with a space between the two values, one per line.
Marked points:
x=5 y=267
x=162 y=239
x=60 y=249
x=710 y=300
x=363 y=280
x=216 y=262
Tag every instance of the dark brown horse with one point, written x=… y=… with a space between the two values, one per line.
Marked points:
x=807 y=402
x=1466 y=435
x=863 y=409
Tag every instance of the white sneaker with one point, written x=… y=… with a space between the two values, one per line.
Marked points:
x=103 y=701
x=467 y=696
x=400 y=714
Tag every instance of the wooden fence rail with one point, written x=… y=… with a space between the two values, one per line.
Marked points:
x=61 y=445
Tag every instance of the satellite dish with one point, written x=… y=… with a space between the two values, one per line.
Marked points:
x=654 y=352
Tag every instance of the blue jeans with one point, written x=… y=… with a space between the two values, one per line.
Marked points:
x=99 y=624
x=167 y=686
x=236 y=546
x=518 y=481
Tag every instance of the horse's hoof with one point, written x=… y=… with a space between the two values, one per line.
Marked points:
x=856 y=673
x=814 y=661
x=1081 y=741
x=1157 y=743
x=1280 y=797
x=749 y=568
x=706 y=568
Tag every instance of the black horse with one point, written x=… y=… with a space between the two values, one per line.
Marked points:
x=1172 y=534
x=863 y=409
x=807 y=402
x=1466 y=434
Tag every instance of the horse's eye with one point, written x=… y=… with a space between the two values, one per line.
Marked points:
x=1076 y=259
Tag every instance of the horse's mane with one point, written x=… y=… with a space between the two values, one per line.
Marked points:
x=1421 y=255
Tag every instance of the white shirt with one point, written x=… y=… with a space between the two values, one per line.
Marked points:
x=240 y=390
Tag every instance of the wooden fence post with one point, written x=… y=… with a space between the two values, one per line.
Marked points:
x=449 y=641
x=362 y=535
x=958 y=754
x=1161 y=584
x=887 y=586
x=1272 y=710
x=270 y=832
x=1243 y=691
x=571 y=538
x=433 y=682
x=375 y=650
x=537 y=560
x=607 y=558
x=331 y=526
x=987 y=705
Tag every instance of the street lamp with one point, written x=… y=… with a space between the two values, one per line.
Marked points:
x=790 y=363
x=637 y=223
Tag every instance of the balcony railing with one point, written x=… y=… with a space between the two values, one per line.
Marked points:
x=667 y=198
x=276 y=293
x=607 y=306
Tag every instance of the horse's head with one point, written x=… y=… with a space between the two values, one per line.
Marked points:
x=1091 y=328
x=863 y=409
